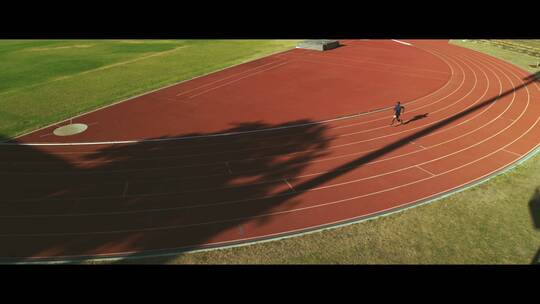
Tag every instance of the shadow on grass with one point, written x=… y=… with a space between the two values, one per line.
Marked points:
x=534 y=208
x=173 y=194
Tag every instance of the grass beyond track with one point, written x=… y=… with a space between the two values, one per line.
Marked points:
x=46 y=81
x=497 y=222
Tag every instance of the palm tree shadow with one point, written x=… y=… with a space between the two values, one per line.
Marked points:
x=175 y=176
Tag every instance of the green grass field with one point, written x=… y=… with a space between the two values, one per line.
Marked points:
x=45 y=81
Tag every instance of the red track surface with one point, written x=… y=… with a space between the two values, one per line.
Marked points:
x=282 y=171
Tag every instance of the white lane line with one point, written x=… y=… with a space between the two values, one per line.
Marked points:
x=366 y=68
x=419 y=145
x=428 y=172
x=233 y=81
x=230 y=76
x=288 y=184
x=514 y=153
x=402 y=42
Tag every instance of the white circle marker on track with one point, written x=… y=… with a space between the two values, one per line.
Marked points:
x=70 y=129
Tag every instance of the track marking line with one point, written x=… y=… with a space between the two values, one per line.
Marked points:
x=419 y=145
x=233 y=81
x=402 y=42
x=363 y=67
x=514 y=153
x=230 y=76
x=428 y=172
x=288 y=184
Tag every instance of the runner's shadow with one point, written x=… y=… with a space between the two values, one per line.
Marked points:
x=415 y=118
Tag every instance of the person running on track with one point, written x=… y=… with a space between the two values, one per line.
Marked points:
x=398 y=108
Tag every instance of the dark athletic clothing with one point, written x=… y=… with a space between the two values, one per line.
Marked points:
x=397 y=109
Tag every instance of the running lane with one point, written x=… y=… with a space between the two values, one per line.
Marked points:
x=148 y=198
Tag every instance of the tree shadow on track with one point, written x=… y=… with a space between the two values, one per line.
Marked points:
x=52 y=199
x=137 y=197
x=534 y=208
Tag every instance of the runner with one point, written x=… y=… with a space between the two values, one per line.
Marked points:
x=397 y=113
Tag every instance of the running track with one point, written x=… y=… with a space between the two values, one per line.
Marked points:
x=265 y=149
